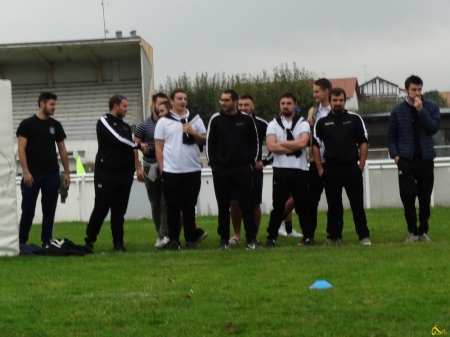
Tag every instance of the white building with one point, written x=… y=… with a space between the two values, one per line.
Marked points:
x=351 y=88
x=378 y=87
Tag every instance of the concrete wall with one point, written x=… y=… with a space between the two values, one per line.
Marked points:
x=381 y=191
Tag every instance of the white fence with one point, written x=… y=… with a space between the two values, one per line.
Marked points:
x=380 y=190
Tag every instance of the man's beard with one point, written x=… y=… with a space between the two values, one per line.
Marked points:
x=287 y=113
x=47 y=112
x=338 y=109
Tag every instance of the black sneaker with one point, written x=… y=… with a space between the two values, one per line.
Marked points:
x=190 y=245
x=307 y=242
x=201 y=236
x=89 y=247
x=119 y=248
x=172 y=245
x=252 y=245
x=224 y=245
x=270 y=243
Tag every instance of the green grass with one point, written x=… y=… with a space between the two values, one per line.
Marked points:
x=387 y=289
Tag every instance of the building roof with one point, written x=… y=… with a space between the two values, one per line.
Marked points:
x=446 y=96
x=379 y=79
x=350 y=85
x=59 y=51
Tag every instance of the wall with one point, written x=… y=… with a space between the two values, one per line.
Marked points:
x=381 y=190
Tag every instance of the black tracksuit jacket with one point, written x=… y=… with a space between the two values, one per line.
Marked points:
x=232 y=140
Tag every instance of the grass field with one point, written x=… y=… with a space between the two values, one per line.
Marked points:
x=387 y=289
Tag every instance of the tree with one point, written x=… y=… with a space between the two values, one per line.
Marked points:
x=204 y=90
x=435 y=96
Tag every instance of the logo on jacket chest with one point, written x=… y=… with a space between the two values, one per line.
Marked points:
x=51 y=130
x=347 y=122
x=240 y=124
x=329 y=123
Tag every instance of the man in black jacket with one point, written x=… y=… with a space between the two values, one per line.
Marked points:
x=246 y=105
x=344 y=137
x=232 y=152
x=114 y=170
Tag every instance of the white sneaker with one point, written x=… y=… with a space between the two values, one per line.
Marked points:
x=294 y=234
x=161 y=242
x=282 y=230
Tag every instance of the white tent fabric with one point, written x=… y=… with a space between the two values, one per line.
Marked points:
x=9 y=225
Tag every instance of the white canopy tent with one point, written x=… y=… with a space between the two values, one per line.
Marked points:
x=9 y=225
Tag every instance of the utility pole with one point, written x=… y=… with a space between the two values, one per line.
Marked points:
x=104 y=23
x=365 y=73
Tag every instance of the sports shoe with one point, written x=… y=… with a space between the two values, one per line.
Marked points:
x=201 y=236
x=270 y=243
x=189 y=245
x=412 y=238
x=307 y=242
x=294 y=234
x=172 y=245
x=332 y=242
x=119 y=248
x=282 y=230
x=89 y=247
x=252 y=245
x=224 y=245
x=234 y=241
x=424 y=238
x=366 y=242
x=161 y=242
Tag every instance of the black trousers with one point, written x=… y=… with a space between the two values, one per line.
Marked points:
x=294 y=181
x=112 y=192
x=349 y=177
x=181 y=192
x=416 y=179
x=238 y=180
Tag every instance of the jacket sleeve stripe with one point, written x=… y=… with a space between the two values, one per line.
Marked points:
x=116 y=135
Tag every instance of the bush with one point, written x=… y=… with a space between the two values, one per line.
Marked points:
x=204 y=90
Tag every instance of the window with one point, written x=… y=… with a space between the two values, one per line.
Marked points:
x=82 y=153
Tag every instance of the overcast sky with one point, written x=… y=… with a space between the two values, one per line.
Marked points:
x=392 y=38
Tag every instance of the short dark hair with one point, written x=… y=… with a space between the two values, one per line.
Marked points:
x=247 y=96
x=45 y=96
x=414 y=80
x=288 y=94
x=233 y=93
x=324 y=84
x=115 y=99
x=337 y=92
x=176 y=91
x=159 y=95
x=167 y=105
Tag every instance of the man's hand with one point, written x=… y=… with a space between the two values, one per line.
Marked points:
x=140 y=175
x=361 y=167
x=259 y=165
x=310 y=121
x=320 y=171
x=66 y=181
x=28 y=179
x=396 y=159
x=418 y=104
x=144 y=148
x=187 y=128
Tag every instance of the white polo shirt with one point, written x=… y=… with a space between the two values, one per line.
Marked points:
x=322 y=112
x=179 y=157
x=281 y=160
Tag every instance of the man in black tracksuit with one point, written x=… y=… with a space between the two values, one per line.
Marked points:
x=342 y=133
x=114 y=170
x=232 y=151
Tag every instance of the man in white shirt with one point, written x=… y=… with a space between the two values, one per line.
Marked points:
x=178 y=138
x=287 y=138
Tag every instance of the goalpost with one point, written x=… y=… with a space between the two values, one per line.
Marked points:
x=9 y=225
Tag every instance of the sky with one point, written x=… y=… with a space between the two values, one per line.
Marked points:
x=391 y=39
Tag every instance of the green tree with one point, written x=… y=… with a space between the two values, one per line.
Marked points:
x=204 y=90
x=435 y=96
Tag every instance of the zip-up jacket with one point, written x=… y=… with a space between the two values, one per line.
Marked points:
x=341 y=135
x=231 y=140
x=261 y=129
x=115 y=147
x=400 y=131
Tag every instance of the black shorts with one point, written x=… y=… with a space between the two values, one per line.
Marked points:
x=258 y=177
